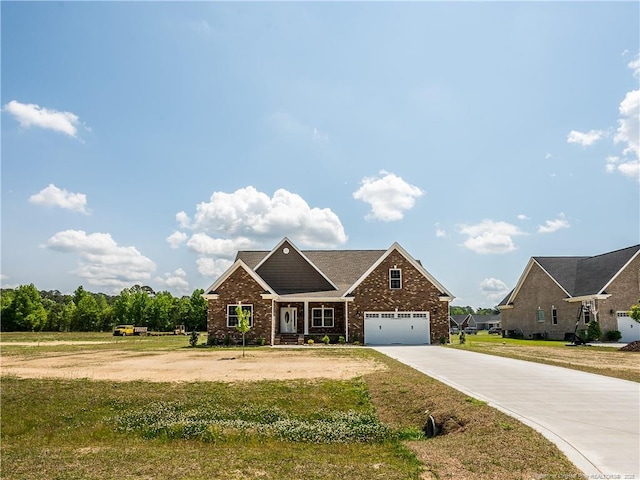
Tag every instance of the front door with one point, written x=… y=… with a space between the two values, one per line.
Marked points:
x=288 y=320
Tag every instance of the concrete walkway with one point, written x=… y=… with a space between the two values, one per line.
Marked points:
x=593 y=419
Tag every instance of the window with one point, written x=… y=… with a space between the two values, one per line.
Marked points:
x=232 y=316
x=554 y=315
x=322 y=317
x=395 y=278
x=587 y=315
x=540 y=315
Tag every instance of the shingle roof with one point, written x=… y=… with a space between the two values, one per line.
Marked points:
x=342 y=267
x=581 y=276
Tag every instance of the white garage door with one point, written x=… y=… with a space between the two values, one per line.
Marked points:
x=405 y=328
x=628 y=327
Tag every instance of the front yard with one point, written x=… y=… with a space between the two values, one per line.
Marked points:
x=363 y=426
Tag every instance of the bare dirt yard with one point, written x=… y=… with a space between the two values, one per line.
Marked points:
x=187 y=365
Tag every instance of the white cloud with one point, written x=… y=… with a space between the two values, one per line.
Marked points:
x=53 y=196
x=249 y=219
x=634 y=65
x=252 y=214
x=490 y=237
x=102 y=262
x=493 y=289
x=629 y=168
x=440 y=233
x=585 y=139
x=388 y=195
x=551 y=226
x=176 y=238
x=175 y=281
x=203 y=244
x=628 y=133
x=209 y=267
x=30 y=114
x=522 y=216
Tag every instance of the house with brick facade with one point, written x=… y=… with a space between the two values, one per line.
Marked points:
x=369 y=296
x=556 y=294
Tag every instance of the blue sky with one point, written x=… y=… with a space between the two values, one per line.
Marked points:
x=147 y=142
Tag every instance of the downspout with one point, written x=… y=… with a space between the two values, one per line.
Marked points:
x=306 y=317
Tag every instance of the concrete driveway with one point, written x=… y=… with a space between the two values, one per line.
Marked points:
x=593 y=419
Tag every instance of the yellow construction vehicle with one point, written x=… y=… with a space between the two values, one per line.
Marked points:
x=129 y=330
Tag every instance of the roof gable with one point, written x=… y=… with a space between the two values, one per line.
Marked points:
x=287 y=270
x=326 y=273
x=417 y=265
x=580 y=276
x=229 y=271
x=596 y=273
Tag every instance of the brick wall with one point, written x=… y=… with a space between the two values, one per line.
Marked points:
x=539 y=290
x=239 y=287
x=625 y=291
x=416 y=294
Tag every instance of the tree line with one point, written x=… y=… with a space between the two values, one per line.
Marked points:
x=27 y=309
x=458 y=310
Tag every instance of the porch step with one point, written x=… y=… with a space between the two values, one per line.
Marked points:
x=291 y=339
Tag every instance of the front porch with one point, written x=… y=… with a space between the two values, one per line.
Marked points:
x=295 y=322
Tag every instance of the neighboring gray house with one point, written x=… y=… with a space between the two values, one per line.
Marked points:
x=485 y=322
x=459 y=321
x=554 y=293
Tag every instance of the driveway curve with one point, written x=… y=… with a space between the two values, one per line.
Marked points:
x=593 y=419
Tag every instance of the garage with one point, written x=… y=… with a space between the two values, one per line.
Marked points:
x=628 y=327
x=403 y=328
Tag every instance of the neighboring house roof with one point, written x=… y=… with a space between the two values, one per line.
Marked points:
x=316 y=273
x=580 y=276
x=459 y=319
x=487 y=318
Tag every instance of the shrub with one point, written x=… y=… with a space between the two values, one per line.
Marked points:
x=193 y=338
x=613 y=335
x=227 y=341
x=594 y=332
x=443 y=340
x=341 y=340
x=261 y=341
x=310 y=341
x=326 y=339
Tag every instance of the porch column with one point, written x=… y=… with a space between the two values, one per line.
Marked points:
x=273 y=323
x=346 y=321
x=306 y=317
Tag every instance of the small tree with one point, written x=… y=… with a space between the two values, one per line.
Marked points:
x=635 y=312
x=594 y=332
x=193 y=338
x=243 y=325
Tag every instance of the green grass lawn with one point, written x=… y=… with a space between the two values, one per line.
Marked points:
x=603 y=360
x=363 y=428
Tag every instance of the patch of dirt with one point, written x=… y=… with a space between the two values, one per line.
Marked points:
x=632 y=347
x=188 y=365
